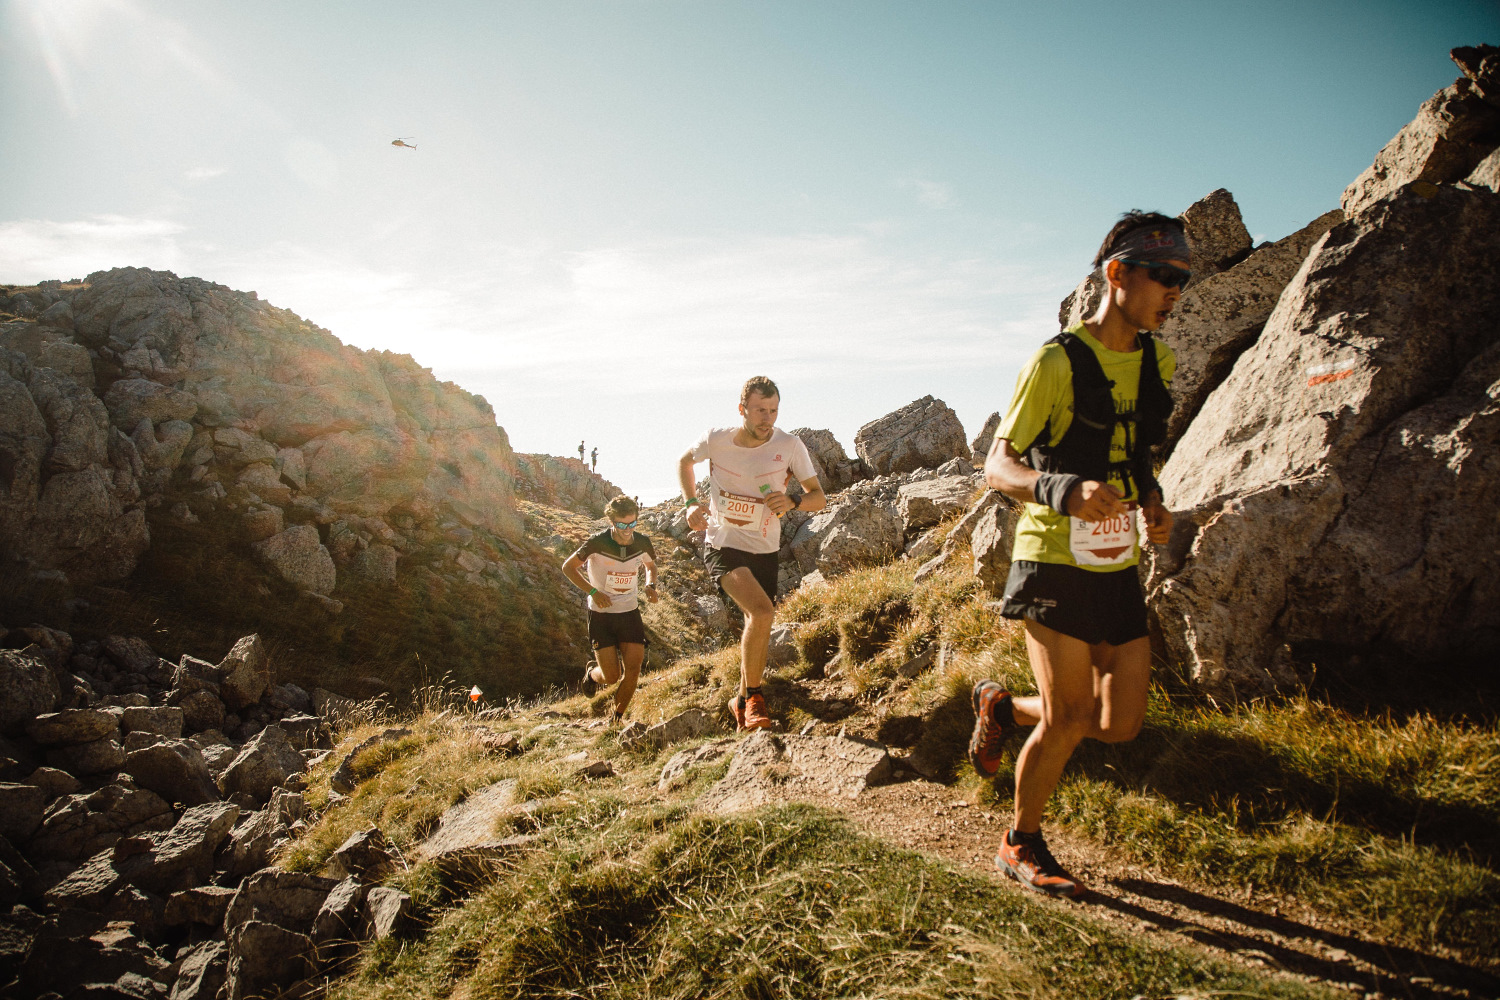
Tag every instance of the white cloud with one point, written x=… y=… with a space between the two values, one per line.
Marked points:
x=205 y=173
x=34 y=250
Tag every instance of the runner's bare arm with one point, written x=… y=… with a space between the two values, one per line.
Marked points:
x=697 y=517
x=1090 y=500
x=1158 y=519
x=813 y=499
x=572 y=568
x=650 y=566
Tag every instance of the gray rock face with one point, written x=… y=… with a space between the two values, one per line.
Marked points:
x=847 y=536
x=131 y=400
x=28 y=686
x=835 y=469
x=1369 y=401
x=76 y=947
x=922 y=434
x=366 y=855
x=1220 y=316
x=250 y=844
x=984 y=440
x=1453 y=132
x=342 y=779
x=201 y=710
x=72 y=726
x=265 y=762
x=176 y=770
x=264 y=957
x=53 y=782
x=20 y=811
x=202 y=972
x=683 y=761
x=163 y=720
x=472 y=821
x=389 y=912
x=339 y=921
x=287 y=899
x=923 y=504
x=204 y=904
x=300 y=558
x=992 y=540
x=131 y=653
x=683 y=726
x=770 y=768
x=98 y=757
x=245 y=673
x=1216 y=233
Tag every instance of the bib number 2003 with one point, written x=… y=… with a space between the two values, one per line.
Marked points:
x=1103 y=543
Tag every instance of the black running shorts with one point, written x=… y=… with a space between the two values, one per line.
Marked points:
x=764 y=565
x=610 y=628
x=1095 y=607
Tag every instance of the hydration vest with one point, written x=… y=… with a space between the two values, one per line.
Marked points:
x=1084 y=448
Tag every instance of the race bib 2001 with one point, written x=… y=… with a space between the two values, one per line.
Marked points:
x=749 y=513
x=1103 y=543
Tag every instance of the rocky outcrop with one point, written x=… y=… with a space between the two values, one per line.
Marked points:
x=1453 y=132
x=1339 y=486
x=1222 y=314
x=141 y=376
x=771 y=768
x=835 y=469
x=563 y=482
x=921 y=435
x=984 y=439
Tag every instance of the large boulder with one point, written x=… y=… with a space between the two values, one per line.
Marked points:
x=921 y=435
x=985 y=439
x=847 y=536
x=300 y=558
x=1221 y=315
x=73 y=726
x=835 y=469
x=266 y=762
x=992 y=538
x=1339 y=487
x=82 y=825
x=926 y=502
x=28 y=688
x=769 y=768
x=1454 y=130
x=286 y=899
x=245 y=673
x=264 y=958
x=174 y=769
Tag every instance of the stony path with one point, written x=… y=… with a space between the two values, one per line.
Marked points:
x=1265 y=931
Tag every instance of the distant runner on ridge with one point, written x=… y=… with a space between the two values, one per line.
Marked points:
x=594 y=456
x=749 y=467
x=1075 y=445
x=608 y=566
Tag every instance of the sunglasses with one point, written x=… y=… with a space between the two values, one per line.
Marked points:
x=1169 y=275
x=624 y=525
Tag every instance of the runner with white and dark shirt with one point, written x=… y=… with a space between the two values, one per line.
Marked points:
x=749 y=467
x=609 y=566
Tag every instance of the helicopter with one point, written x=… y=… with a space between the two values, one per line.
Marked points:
x=404 y=144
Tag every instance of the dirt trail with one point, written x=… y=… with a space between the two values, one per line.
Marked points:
x=1259 y=929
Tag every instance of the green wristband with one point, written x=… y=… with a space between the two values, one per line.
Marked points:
x=593 y=591
x=689 y=503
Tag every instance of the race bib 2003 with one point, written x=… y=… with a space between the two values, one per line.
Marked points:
x=1103 y=543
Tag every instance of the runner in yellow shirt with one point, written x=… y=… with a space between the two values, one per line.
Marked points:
x=1075 y=446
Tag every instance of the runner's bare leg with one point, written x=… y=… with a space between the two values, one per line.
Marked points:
x=742 y=587
x=609 y=664
x=1097 y=691
x=633 y=653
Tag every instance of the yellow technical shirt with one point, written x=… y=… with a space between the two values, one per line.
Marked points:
x=1044 y=398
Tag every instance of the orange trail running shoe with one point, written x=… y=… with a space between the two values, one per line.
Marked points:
x=993 y=725
x=755 y=713
x=737 y=709
x=1032 y=865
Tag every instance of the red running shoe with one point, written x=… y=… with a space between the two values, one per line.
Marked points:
x=755 y=713
x=993 y=724
x=737 y=709
x=1032 y=865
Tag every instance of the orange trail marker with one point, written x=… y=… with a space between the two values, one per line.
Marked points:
x=475 y=694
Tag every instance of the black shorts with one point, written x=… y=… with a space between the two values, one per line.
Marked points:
x=1095 y=607
x=610 y=628
x=764 y=565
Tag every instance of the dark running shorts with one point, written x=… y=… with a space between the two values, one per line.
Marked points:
x=763 y=565
x=1094 y=607
x=610 y=628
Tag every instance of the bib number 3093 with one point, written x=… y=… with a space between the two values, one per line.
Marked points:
x=1103 y=543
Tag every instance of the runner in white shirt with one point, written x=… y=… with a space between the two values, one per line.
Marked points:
x=749 y=469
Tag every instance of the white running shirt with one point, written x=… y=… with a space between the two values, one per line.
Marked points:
x=738 y=480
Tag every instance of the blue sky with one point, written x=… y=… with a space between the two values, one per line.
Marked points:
x=618 y=211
